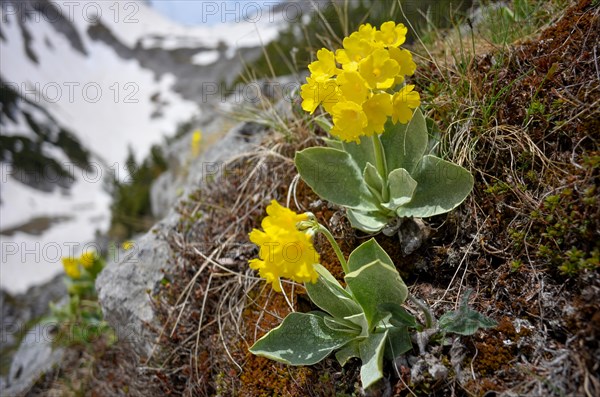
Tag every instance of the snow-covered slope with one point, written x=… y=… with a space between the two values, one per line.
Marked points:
x=109 y=75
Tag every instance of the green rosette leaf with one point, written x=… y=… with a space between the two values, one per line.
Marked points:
x=301 y=339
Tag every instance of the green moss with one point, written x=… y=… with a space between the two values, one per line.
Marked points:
x=566 y=224
x=516 y=265
x=498 y=188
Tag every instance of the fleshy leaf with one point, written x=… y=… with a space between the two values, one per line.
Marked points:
x=334 y=176
x=366 y=253
x=373 y=180
x=375 y=284
x=371 y=355
x=401 y=187
x=333 y=143
x=368 y=222
x=405 y=144
x=441 y=187
x=361 y=321
x=329 y=295
x=465 y=321
x=324 y=123
x=351 y=350
x=398 y=342
x=433 y=130
x=301 y=339
x=341 y=325
x=400 y=317
x=361 y=153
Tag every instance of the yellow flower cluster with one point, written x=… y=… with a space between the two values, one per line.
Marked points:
x=196 y=139
x=284 y=250
x=359 y=95
x=72 y=266
x=87 y=259
x=127 y=245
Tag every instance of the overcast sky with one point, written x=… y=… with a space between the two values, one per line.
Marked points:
x=202 y=12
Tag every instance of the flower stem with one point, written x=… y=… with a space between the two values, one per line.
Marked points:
x=429 y=321
x=335 y=246
x=381 y=165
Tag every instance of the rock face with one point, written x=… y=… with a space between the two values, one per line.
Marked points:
x=125 y=286
x=180 y=158
x=34 y=355
x=18 y=310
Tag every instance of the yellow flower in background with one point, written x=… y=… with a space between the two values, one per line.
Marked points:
x=403 y=104
x=349 y=120
x=87 y=259
x=71 y=267
x=127 y=245
x=285 y=252
x=377 y=109
x=391 y=35
x=196 y=139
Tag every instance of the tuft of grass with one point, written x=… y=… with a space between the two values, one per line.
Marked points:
x=326 y=23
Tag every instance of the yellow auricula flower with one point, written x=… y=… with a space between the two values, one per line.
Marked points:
x=391 y=35
x=405 y=61
x=349 y=121
x=127 y=245
x=325 y=67
x=315 y=92
x=196 y=139
x=365 y=32
x=377 y=109
x=355 y=50
x=403 y=104
x=353 y=87
x=71 y=267
x=87 y=259
x=357 y=85
x=285 y=252
x=379 y=70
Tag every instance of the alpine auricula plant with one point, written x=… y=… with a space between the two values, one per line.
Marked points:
x=364 y=320
x=379 y=164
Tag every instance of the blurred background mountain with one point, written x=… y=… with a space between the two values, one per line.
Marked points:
x=86 y=88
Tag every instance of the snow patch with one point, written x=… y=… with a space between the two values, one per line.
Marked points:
x=205 y=57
